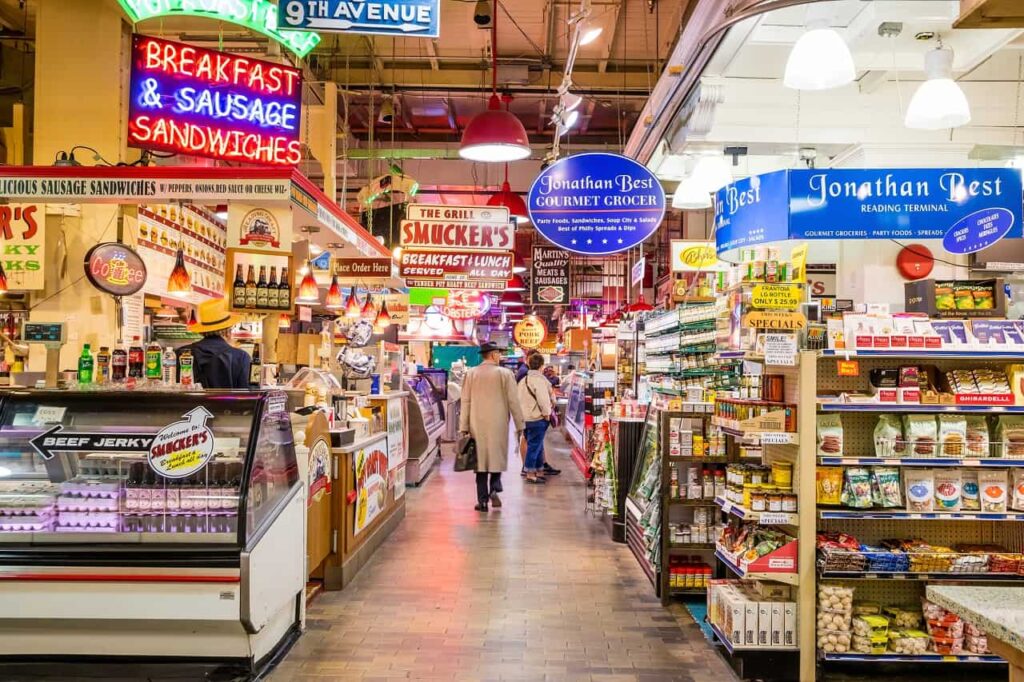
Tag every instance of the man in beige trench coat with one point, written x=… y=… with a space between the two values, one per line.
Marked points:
x=489 y=400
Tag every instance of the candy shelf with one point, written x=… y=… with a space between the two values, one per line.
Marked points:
x=929 y=577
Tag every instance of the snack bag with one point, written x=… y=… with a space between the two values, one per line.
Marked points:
x=829 y=485
x=921 y=433
x=830 y=435
x=1010 y=434
x=947 y=490
x=1017 y=496
x=977 y=437
x=886 y=481
x=992 y=486
x=952 y=435
x=857 y=488
x=920 y=490
x=889 y=437
x=970 y=496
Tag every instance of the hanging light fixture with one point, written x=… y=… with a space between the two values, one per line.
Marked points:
x=640 y=306
x=691 y=196
x=383 y=320
x=820 y=60
x=309 y=292
x=368 y=311
x=387 y=110
x=495 y=135
x=712 y=173
x=516 y=283
x=939 y=102
x=511 y=299
x=564 y=120
x=506 y=197
x=333 y=300
x=570 y=101
x=192 y=321
x=352 y=307
x=585 y=31
x=284 y=321
x=179 y=283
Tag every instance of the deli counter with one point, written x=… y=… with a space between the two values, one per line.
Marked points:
x=149 y=523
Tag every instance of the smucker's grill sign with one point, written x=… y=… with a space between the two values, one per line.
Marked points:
x=480 y=228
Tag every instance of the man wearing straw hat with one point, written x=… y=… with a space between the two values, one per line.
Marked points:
x=215 y=362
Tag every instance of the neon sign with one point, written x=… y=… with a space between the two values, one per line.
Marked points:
x=256 y=15
x=193 y=101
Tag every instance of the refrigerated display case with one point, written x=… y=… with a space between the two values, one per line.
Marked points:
x=155 y=524
x=425 y=405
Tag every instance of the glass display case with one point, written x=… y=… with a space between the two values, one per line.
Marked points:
x=184 y=509
x=425 y=405
x=140 y=467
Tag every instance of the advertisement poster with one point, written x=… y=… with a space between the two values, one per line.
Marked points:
x=319 y=471
x=476 y=228
x=253 y=227
x=549 y=276
x=184 y=447
x=396 y=434
x=202 y=236
x=23 y=231
x=596 y=203
x=398 y=308
x=371 y=479
x=695 y=256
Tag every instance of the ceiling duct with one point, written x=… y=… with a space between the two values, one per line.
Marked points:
x=697 y=116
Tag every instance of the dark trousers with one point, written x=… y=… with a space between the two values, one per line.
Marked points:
x=487 y=483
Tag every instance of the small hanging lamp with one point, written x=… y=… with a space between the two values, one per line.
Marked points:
x=192 y=321
x=179 y=283
x=334 y=299
x=352 y=307
x=369 y=311
x=309 y=293
x=383 y=320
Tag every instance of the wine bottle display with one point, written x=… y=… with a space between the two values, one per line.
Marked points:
x=284 y=291
x=238 y=289
x=261 y=289
x=250 y=288
x=272 y=297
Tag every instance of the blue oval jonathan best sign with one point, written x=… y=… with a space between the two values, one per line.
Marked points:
x=978 y=231
x=596 y=203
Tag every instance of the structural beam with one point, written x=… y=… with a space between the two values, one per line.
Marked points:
x=602 y=66
x=432 y=54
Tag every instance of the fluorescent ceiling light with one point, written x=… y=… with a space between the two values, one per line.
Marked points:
x=820 y=60
x=939 y=102
x=691 y=196
x=712 y=173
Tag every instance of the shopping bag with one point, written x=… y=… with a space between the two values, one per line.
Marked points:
x=465 y=453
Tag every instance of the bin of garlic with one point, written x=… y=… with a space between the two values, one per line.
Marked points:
x=909 y=642
x=835 y=611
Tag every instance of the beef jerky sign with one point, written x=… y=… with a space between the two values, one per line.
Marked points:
x=549 y=276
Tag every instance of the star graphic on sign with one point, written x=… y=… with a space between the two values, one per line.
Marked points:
x=604 y=241
x=620 y=241
x=573 y=241
x=590 y=241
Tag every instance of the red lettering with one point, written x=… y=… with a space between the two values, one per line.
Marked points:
x=5 y=222
x=28 y=215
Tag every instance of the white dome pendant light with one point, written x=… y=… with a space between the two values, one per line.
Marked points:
x=939 y=102
x=690 y=196
x=820 y=60
x=712 y=173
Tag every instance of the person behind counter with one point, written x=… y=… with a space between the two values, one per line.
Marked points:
x=215 y=362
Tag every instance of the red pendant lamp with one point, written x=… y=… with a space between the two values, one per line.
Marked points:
x=511 y=299
x=333 y=299
x=352 y=307
x=383 y=320
x=369 y=311
x=640 y=306
x=516 y=284
x=495 y=135
x=309 y=293
x=509 y=199
x=179 y=283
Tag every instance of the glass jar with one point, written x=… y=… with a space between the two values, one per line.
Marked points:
x=774 y=501
x=758 y=499
x=789 y=502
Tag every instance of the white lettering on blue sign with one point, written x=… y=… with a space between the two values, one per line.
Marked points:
x=420 y=18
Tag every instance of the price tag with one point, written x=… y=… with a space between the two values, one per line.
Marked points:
x=776 y=518
x=848 y=368
x=780 y=349
x=49 y=414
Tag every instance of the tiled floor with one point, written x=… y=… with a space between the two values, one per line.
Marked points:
x=533 y=591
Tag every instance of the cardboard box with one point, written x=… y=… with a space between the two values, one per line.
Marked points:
x=789 y=623
x=750 y=624
x=736 y=619
x=778 y=622
x=764 y=623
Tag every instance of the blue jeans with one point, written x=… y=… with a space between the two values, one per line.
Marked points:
x=535 y=444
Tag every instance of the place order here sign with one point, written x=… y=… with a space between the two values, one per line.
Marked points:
x=457 y=247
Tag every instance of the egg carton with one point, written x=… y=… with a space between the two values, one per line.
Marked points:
x=25 y=506
x=91 y=488
x=86 y=504
x=25 y=524
x=89 y=519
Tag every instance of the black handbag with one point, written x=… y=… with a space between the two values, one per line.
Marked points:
x=465 y=453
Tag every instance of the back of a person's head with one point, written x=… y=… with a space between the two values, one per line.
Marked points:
x=535 y=361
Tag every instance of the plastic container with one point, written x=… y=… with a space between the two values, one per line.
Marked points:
x=782 y=474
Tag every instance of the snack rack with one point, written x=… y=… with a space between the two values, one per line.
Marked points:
x=871 y=525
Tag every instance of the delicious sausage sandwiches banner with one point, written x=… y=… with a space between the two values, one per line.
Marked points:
x=969 y=209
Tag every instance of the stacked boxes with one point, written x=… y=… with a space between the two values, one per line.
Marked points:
x=753 y=615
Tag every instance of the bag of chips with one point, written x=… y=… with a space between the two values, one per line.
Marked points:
x=921 y=434
x=885 y=487
x=920 y=490
x=830 y=435
x=889 y=437
x=857 y=488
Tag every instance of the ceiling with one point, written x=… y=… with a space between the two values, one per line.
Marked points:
x=744 y=103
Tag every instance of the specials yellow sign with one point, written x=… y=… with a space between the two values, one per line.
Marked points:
x=775 y=319
x=777 y=296
x=530 y=332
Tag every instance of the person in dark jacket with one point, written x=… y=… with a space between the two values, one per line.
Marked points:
x=215 y=362
x=523 y=365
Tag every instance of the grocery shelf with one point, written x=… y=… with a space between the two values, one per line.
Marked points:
x=919 y=353
x=909 y=658
x=731 y=648
x=903 y=514
x=910 y=409
x=690 y=546
x=785 y=578
x=768 y=518
x=766 y=437
x=931 y=577
x=999 y=463
x=684 y=502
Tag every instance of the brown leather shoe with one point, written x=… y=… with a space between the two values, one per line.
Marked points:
x=495 y=500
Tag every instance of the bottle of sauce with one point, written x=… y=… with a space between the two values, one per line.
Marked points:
x=261 y=289
x=153 y=360
x=284 y=291
x=250 y=288
x=256 y=368
x=185 y=373
x=238 y=288
x=136 y=359
x=85 y=366
x=118 y=364
x=169 y=367
x=103 y=366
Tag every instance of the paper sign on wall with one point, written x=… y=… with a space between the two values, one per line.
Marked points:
x=780 y=349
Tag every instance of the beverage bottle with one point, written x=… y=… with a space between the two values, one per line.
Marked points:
x=169 y=367
x=102 y=365
x=118 y=364
x=185 y=373
x=284 y=291
x=85 y=366
x=153 y=357
x=136 y=359
x=272 y=289
x=256 y=368
x=238 y=289
x=261 y=289
x=250 y=288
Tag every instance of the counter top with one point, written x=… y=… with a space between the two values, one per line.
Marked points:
x=362 y=443
x=996 y=610
x=389 y=394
